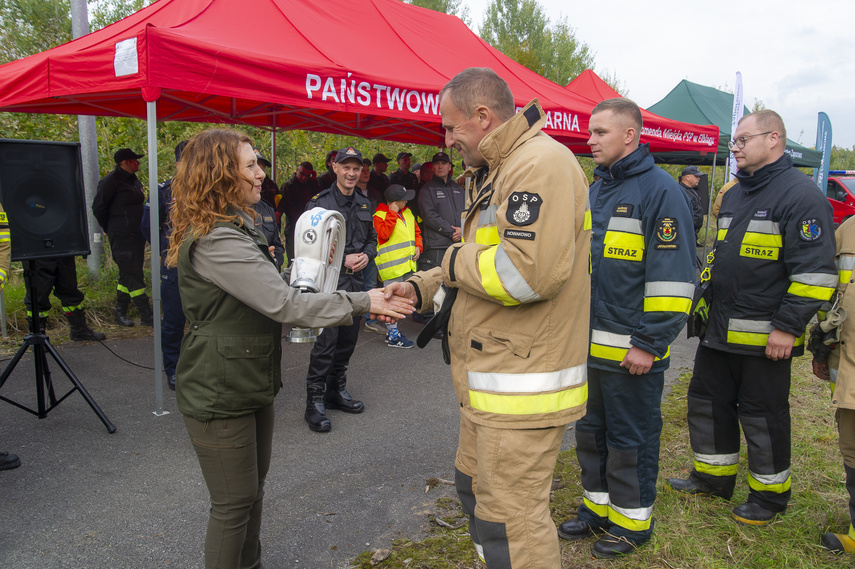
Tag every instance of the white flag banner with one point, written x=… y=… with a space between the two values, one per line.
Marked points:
x=738 y=107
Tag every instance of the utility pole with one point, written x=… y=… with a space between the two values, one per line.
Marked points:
x=89 y=152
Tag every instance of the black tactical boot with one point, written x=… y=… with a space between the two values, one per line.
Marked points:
x=316 y=414
x=696 y=487
x=575 y=529
x=31 y=325
x=79 y=330
x=123 y=301
x=144 y=308
x=612 y=547
x=751 y=514
x=337 y=397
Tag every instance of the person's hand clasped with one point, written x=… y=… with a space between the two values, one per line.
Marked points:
x=388 y=307
x=404 y=291
x=356 y=261
x=779 y=345
x=457 y=235
x=637 y=361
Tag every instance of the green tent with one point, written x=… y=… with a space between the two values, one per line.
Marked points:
x=693 y=103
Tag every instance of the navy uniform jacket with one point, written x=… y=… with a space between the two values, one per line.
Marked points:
x=774 y=259
x=642 y=261
x=361 y=237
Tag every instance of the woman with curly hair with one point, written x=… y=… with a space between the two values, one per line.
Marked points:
x=235 y=302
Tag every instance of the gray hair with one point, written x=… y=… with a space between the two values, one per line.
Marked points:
x=480 y=86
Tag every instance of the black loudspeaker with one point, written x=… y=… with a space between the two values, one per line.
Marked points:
x=41 y=189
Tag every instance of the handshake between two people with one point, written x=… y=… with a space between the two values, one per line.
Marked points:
x=393 y=302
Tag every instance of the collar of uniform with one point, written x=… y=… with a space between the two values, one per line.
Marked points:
x=762 y=176
x=634 y=163
x=124 y=173
x=525 y=124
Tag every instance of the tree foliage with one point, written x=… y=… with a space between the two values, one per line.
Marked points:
x=521 y=30
x=453 y=7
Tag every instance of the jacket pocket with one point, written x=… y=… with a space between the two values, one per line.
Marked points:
x=497 y=350
x=247 y=370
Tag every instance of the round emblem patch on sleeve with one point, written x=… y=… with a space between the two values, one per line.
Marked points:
x=810 y=229
x=523 y=208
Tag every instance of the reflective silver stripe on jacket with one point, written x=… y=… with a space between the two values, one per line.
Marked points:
x=754 y=326
x=611 y=339
x=846 y=262
x=625 y=224
x=718 y=459
x=764 y=226
x=394 y=262
x=512 y=279
x=487 y=216
x=724 y=222
x=528 y=382
x=815 y=279
x=669 y=288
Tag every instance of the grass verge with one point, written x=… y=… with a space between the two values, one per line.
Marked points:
x=690 y=532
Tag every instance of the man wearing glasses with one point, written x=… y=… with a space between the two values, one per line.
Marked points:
x=773 y=269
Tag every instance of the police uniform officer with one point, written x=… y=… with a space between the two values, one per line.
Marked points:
x=773 y=269
x=118 y=207
x=326 y=379
x=642 y=281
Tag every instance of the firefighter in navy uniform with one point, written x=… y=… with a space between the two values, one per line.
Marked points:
x=642 y=281
x=773 y=269
x=327 y=376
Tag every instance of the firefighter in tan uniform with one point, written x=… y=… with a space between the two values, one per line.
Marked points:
x=518 y=328
x=839 y=368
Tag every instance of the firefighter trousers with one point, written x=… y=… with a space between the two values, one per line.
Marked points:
x=728 y=389
x=617 y=445
x=503 y=478
x=846 y=432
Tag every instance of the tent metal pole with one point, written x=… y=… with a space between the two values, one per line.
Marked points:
x=709 y=207
x=154 y=228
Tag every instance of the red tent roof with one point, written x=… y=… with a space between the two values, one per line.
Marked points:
x=663 y=135
x=370 y=68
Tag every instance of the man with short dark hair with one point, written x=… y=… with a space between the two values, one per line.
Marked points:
x=379 y=181
x=518 y=370
x=642 y=282
x=118 y=207
x=773 y=269
x=402 y=175
x=326 y=379
x=296 y=193
x=689 y=179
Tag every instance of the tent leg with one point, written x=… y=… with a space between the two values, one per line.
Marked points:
x=154 y=228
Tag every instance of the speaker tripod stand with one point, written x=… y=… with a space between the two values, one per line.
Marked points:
x=41 y=346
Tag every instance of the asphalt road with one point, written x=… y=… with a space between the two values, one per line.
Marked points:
x=86 y=499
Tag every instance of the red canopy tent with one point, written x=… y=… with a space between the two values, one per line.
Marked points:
x=670 y=141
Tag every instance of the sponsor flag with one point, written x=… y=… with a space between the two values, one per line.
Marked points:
x=738 y=108
x=823 y=144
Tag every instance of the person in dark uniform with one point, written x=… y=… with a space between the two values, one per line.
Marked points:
x=403 y=175
x=327 y=179
x=269 y=190
x=689 y=179
x=172 y=325
x=118 y=207
x=379 y=181
x=296 y=193
x=327 y=376
x=266 y=223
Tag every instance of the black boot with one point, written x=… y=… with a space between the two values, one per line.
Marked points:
x=31 y=325
x=144 y=308
x=123 y=301
x=337 y=397
x=79 y=330
x=316 y=413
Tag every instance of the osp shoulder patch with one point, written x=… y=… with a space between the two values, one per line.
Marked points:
x=810 y=229
x=523 y=208
x=666 y=233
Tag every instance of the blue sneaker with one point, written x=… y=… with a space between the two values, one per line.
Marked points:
x=394 y=339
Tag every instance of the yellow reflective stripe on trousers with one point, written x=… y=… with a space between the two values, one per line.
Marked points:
x=668 y=296
x=717 y=464
x=538 y=404
x=597 y=502
x=490 y=278
x=528 y=382
x=633 y=519
x=777 y=483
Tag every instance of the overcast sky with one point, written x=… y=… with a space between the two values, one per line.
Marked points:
x=796 y=57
